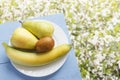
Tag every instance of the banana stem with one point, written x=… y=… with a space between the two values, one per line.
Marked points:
x=5 y=45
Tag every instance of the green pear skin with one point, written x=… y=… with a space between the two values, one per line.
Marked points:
x=23 y=39
x=36 y=59
x=39 y=28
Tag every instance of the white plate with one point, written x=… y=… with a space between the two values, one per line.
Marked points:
x=40 y=71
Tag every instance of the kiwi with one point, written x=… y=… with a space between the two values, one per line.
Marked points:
x=44 y=44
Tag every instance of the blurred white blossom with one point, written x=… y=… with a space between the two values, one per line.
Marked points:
x=94 y=28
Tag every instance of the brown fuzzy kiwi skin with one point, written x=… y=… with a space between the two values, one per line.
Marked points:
x=44 y=44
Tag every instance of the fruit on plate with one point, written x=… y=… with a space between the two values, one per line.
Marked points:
x=23 y=39
x=35 y=59
x=45 y=44
x=39 y=28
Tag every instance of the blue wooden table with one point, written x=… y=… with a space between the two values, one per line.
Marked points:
x=69 y=71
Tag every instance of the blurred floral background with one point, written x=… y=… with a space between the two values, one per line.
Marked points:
x=94 y=27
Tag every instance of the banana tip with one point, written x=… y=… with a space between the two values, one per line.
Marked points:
x=70 y=45
x=4 y=44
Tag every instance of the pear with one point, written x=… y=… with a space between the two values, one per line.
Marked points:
x=35 y=59
x=39 y=28
x=23 y=39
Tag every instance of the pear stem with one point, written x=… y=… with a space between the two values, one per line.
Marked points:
x=20 y=21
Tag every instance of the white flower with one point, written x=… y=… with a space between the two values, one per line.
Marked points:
x=112 y=55
x=96 y=62
x=99 y=57
x=85 y=34
x=94 y=41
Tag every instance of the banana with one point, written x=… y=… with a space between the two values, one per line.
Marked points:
x=35 y=59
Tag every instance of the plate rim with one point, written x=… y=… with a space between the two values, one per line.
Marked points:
x=64 y=59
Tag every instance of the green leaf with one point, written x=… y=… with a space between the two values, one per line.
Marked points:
x=14 y=3
x=1 y=22
x=117 y=57
x=84 y=72
x=108 y=71
x=101 y=34
x=77 y=51
x=73 y=20
x=117 y=27
x=1 y=12
x=118 y=46
x=113 y=46
x=70 y=15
